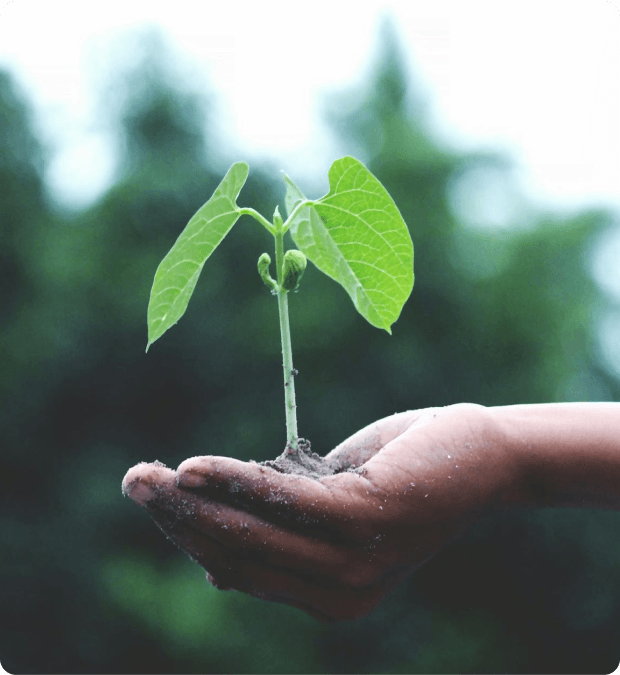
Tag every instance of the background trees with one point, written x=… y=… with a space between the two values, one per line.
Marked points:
x=497 y=316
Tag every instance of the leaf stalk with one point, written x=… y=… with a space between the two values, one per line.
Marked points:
x=246 y=211
x=295 y=211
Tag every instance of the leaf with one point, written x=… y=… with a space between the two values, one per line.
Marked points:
x=356 y=235
x=178 y=272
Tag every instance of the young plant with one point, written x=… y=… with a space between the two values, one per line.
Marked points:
x=354 y=234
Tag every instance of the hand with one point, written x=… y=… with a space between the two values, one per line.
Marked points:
x=335 y=547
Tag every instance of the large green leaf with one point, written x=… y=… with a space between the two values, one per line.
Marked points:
x=178 y=272
x=356 y=235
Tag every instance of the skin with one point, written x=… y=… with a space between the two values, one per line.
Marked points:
x=335 y=547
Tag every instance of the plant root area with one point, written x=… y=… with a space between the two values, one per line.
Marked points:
x=302 y=461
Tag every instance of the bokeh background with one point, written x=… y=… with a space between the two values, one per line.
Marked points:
x=515 y=301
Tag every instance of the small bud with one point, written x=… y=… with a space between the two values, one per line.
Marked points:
x=294 y=267
x=263 y=269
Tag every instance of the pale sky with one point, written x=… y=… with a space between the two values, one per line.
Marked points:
x=538 y=79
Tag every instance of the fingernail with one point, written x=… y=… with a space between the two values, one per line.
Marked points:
x=140 y=492
x=190 y=479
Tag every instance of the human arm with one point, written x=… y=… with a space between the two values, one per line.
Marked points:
x=335 y=547
x=570 y=452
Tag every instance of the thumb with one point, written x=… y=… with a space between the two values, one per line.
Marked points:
x=366 y=443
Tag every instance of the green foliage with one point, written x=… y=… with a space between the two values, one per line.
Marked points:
x=357 y=236
x=178 y=273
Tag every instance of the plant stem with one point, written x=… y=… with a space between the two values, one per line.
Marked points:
x=287 y=352
x=295 y=211
x=257 y=216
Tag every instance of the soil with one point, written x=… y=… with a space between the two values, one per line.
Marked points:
x=302 y=461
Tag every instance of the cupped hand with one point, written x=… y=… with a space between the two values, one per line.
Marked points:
x=334 y=547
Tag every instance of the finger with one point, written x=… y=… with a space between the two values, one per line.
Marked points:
x=330 y=506
x=323 y=598
x=325 y=601
x=196 y=524
x=152 y=486
x=313 y=590
x=147 y=485
x=144 y=480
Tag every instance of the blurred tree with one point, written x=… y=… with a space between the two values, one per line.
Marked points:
x=495 y=318
x=24 y=212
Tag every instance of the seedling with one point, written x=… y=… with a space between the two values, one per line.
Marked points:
x=354 y=234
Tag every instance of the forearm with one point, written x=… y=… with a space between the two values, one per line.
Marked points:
x=570 y=452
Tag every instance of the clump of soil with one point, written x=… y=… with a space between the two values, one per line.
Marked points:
x=302 y=461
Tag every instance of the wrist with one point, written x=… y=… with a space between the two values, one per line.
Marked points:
x=506 y=462
x=568 y=454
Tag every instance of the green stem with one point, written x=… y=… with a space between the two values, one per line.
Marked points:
x=261 y=219
x=285 y=335
x=295 y=211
